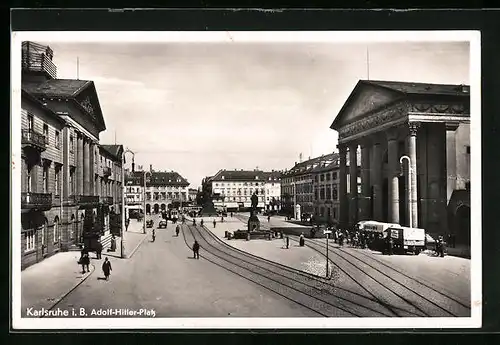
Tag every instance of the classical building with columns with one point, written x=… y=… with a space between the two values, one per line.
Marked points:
x=428 y=125
x=164 y=190
x=61 y=121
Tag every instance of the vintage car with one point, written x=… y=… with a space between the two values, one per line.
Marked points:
x=149 y=223
x=162 y=224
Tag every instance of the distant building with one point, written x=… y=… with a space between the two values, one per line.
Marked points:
x=192 y=192
x=164 y=190
x=272 y=190
x=233 y=189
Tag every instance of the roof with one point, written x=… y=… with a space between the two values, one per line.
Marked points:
x=239 y=175
x=113 y=150
x=69 y=88
x=136 y=178
x=421 y=88
x=310 y=165
x=272 y=175
x=394 y=91
x=327 y=167
x=164 y=178
x=41 y=105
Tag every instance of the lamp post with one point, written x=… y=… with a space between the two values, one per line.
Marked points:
x=122 y=255
x=144 y=203
x=409 y=184
x=327 y=234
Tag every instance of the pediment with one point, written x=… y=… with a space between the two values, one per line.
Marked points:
x=364 y=99
x=89 y=101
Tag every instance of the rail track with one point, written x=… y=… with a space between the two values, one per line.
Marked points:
x=391 y=283
x=312 y=292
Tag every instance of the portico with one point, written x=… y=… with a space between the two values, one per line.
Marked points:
x=386 y=120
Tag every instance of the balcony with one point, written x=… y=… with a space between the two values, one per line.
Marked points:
x=86 y=201
x=106 y=171
x=36 y=201
x=107 y=200
x=32 y=139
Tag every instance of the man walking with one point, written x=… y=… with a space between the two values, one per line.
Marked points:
x=85 y=262
x=196 y=250
x=214 y=223
x=98 y=250
x=177 y=229
x=106 y=268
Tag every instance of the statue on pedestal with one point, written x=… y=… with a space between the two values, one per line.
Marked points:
x=253 y=221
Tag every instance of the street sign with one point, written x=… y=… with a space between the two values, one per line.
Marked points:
x=327 y=232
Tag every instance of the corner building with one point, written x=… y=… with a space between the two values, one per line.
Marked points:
x=429 y=123
x=61 y=120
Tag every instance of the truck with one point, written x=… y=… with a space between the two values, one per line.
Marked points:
x=406 y=239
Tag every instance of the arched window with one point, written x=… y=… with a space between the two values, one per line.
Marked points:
x=57 y=230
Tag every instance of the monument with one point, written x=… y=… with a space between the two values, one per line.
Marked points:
x=207 y=205
x=253 y=221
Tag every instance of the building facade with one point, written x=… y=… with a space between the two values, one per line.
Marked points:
x=164 y=190
x=272 y=190
x=407 y=132
x=233 y=189
x=61 y=120
x=192 y=192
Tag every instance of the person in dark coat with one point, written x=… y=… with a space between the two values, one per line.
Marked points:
x=287 y=242
x=177 y=229
x=85 y=262
x=201 y=222
x=98 y=250
x=301 y=240
x=268 y=219
x=196 y=250
x=390 y=245
x=215 y=223
x=194 y=222
x=106 y=268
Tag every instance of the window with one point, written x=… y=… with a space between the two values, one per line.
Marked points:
x=29 y=181
x=31 y=122
x=57 y=181
x=72 y=181
x=29 y=236
x=328 y=176
x=334 y=175
x=46 y=132
x=58 y=140
x=335 y=193
x=71 y=144
x=57 y=231
x=322 y=177
x=46 y=178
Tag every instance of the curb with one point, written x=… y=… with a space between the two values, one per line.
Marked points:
x=72 y=289
x=136 y=247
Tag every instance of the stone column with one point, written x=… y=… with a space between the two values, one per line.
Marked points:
x=451 y=159
x=79 y=166
x=412 y=149
x=365 y=182
x=376 y=179
x=86 y=167
x=353 y=176
x=393 y=175
x=342 y=192
x=91 y=168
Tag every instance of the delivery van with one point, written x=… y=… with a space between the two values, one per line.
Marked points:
x=407 y=240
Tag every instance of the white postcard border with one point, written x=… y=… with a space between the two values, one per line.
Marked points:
x=367 y=37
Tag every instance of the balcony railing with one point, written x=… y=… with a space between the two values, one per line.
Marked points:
x=106 y=171
x=107 y=200
x=86 y=200
x=33 y=139
x=38 y=62
x=38 y=201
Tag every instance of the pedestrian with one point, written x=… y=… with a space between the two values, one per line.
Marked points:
x=390 y=243
x=313 y=232
x=196 y=250
x=98 y=250
x=201 y=222
x=194 y=222
x=287 y=242
x=222 y=219
x=231 y=214
x=214 y=223
x=153 y=234
x=440 y=246
x=177 y=229
x=112 y=247
x=85 y=262
x=301 y=240
x=127 y=222
x=268 y=218
x=106 y=268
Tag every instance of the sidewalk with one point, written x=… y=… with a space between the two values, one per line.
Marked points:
x=44 y=284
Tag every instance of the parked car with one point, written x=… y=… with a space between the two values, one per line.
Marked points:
x=162 y=224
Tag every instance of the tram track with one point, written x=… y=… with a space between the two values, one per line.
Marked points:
x=393 y=283
x=305 y=289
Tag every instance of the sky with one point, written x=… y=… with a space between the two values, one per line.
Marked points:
x=196 y=108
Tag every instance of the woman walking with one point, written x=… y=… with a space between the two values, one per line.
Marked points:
x=106 y=268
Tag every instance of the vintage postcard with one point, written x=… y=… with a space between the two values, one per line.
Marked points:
x=314 y=180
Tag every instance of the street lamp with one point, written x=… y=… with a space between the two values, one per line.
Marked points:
x=327 y=234
x=122 y=255
x=409 y=184
x=144 y=203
